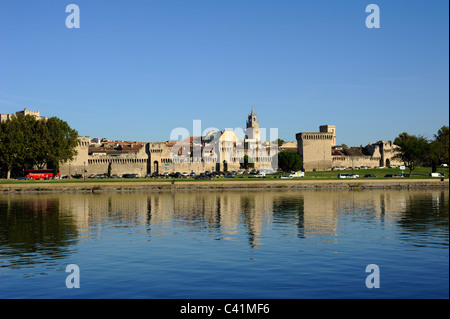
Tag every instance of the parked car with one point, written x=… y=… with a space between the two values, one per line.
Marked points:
x=285 y=176
x=176 y=175
x=204 y=176
x=229 y=176
x=348 y=176
x=130 y=176
x=369 y=176
x=192 y=175
x=100 y=176
x=393 y=175
x=260 y=175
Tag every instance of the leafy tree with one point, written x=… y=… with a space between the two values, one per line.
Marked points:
x=58 y=142
x=11 y=151
x=442 y=137
x=247 y=164
x=412 y=150
x=280 y=142
x=438 y=152
x=109 y=170
x=289 y=161
x=26 y=142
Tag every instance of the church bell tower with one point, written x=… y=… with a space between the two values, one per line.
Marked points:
x=252 y=131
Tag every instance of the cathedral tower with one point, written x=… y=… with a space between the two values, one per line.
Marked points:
x=252 y=131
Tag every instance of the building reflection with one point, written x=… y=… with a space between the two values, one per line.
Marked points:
x=30 y=222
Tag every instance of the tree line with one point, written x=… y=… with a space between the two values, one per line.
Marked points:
x=417 y=150
x=26 y=143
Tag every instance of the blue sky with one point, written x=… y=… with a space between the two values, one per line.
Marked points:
x=135 y=70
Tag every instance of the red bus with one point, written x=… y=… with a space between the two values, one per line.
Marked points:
x=40 y=173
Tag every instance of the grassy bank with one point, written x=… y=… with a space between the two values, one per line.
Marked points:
x=419 y=173
x=313 y=180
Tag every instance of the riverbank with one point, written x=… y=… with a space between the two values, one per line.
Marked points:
x=229 y=185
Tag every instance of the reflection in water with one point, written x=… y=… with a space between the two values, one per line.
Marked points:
x=33 y=226
x=49 y=224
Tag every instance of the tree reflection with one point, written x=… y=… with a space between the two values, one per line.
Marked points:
x=426 y=211
x=291 y=210
x=33 y=231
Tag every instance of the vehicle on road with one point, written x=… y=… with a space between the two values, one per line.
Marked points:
x=40 y=173
x=100 y=176
x=297 y=174
x=394 y=175
x=204 y=176
x=436 y=174
x=348 y=176
x=260 y=175
x=130 y=176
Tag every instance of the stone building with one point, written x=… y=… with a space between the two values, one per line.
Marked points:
x=314 y=148
x=319 y=151
x=216 y=151
x=94 y=158
x=36 y=114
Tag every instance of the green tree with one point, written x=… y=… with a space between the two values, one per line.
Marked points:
x=58 y=143
x=412 y=150
x=280 y=142
x=442 y=137
x=438 y=152
x=26 y=143
x=109 y=170
x=11 y=150
x=289 y=161
x=247 y=163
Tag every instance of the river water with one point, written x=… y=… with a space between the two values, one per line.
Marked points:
x=275 y=245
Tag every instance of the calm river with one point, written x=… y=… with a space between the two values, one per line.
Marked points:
x=275 y=245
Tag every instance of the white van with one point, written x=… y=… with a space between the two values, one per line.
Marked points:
x=436 y=175
x=297 y=174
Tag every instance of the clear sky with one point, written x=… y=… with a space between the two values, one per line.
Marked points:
x=135 y=70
